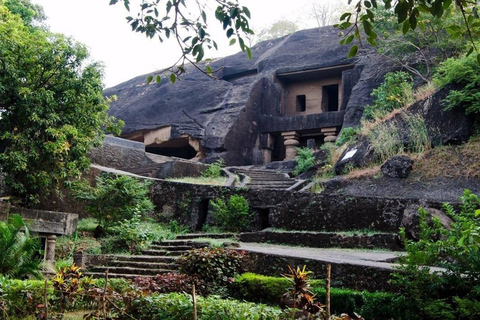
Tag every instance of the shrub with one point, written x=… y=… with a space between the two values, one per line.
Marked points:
x=177 y=306
x=216 y=267
x=115 y=198
x=214 y=170
x=464 y=71
x=394 y=93
x=451 y=293
x=347 y=135
x=19 y=250
x=371 y=305
x=232 y=214
x=171 y=282
x=305 y=159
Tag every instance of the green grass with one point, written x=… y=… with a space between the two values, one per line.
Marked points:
x=87 y=224
x=220 y=181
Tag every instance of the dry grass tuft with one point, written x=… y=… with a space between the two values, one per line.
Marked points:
x=450 y=161
x=363 y=173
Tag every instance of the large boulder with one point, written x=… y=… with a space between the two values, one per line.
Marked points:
x=411 y=220
x=397 y=167
x=226 y=116
x=443 y=127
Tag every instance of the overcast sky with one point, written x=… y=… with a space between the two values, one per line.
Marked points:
x=126 y=54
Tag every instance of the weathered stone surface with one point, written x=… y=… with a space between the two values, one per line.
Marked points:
x=43 y=222
x=443 y=127
x=411 y=219
x=281 y=165
x=228 y=115
x=397 y=167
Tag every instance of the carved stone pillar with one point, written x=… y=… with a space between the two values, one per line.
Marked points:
x=291 y=142
x=50 y=248
x=266 y=143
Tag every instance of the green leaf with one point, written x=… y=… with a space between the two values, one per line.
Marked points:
x=173 y=78
x=149 y=79
x=208 y=69
x=158 y=79
x=372 y=41
x=232 y=41
x=249 y=52
x=247 y=12
x=478 y=58
x=406 y=26
x=349 y=39
x=204 y=16
x=353 y=51
x=230 y=32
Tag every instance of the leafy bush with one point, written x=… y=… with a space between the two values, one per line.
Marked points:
x=232 y=214
x=177 y=306
x=171 y=282
x=130 y=236
x=305 y=159
x=464 y=71
x=19 y=250
x=394 y=93
x=451 y=293
x=115 y=198
x=216 y=267
x=214 y=170
x=371 y=305
x=347 y=135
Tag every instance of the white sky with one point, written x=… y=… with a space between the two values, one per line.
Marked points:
x=126 y=54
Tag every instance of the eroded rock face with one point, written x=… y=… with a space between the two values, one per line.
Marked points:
x=443 y=127
x=228 y=116
x=397 y=167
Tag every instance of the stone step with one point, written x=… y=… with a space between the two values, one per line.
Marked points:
x=207 y=235
x=273 y=183
x=144 y=259
x=144 y=265
x=151 y=252
x=350 y=240
x=171 y=248
x=130 y=270
x=99 y=275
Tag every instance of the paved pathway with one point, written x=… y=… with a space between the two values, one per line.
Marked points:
x=370 y=258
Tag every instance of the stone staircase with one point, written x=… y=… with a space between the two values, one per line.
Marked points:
x=159 y=258
x=266 y=179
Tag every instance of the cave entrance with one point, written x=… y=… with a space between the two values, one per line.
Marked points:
x=278 y=150
x=179 y=148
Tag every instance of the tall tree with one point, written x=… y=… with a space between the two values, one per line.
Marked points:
x=52 y=108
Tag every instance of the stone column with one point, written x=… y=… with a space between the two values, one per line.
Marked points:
x=291 y=142
x=50 y=248
x=330 y=134
x=266 y=143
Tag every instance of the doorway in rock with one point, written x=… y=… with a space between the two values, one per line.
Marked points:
x=262 y=218
x=330 y=98
x=202 y=212
x=278 y=151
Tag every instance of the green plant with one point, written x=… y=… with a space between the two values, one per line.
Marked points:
x=394 y=93
x=19 y=249
x=463 y=71
x=299 y=296
x=171 y=282
x=418 y=138
x=348 y=135
x=305 y=159
x=130 y=235
x=232 y=214
x=452 y=291
x=87 y=225
x=216 y=267
x=179 y=306
x=385 y=140
x=115 y=198
x=214 y=170
x=53 y=108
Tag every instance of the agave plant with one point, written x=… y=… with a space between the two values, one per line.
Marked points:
x=19 y=256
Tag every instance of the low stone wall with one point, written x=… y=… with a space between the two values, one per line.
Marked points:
x=326 y=239
x=188 y=204
x=119 y=153
x=43 y=222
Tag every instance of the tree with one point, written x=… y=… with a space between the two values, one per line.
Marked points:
x=52 y=108
x=19 y=249
x=408 y=14
x=189 y=28
x=326 y=13
x=278 y=29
